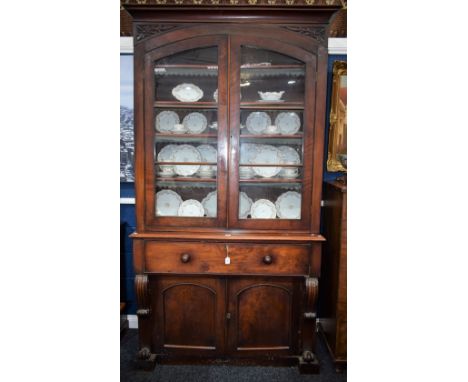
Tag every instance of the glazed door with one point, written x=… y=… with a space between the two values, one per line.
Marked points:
x=185 y=118
x=272 y=107
x=262 y=316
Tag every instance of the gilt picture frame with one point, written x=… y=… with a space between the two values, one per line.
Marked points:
x=337 y=137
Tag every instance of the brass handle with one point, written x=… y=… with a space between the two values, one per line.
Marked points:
x=185 y=257
x=267 y=259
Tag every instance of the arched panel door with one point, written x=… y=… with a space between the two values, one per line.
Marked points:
x=185 y=124
x=272 y=122
x=263 y=316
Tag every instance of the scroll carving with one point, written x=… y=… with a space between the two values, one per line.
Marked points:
x=311 y=297
x=317 y=33
x=142 y=295
x=147 y=30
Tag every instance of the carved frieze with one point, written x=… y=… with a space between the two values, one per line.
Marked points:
x=316 y=32
x=147 y=30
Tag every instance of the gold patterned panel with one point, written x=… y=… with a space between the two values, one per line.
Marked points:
x=337 y=149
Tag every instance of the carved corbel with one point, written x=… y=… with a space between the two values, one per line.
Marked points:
x=308 y=363
x=142 y=295
x=311 y=298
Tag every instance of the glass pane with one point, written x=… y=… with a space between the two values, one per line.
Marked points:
x=268 y=76
x=271 y=135
x=186 y=132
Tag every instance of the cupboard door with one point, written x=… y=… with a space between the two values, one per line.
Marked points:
x=190 y=315
x=272 y=123
x=185 y=133
x=262 y=316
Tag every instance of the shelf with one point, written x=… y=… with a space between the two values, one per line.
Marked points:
x=270 y=180
x=268 y=139
x=185 y=105
x=186 y=180
x=161 y=137
x=188 y=163
x=268 y=165
x=272 y=105
x=179 y=183
x=186 y=70
x=247 y=71
x=273 y=71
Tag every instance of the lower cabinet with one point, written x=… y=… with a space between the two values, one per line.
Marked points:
x=216 y=316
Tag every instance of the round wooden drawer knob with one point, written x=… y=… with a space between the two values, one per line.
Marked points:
x=185 y=257
x=267 y=259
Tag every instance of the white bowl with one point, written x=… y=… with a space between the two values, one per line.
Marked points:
x=271 y=96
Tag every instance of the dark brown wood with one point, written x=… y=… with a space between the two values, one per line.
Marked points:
x=190 y=315
x=262 y=317
x=228 y=287
x=202 y=258
x=333 y=301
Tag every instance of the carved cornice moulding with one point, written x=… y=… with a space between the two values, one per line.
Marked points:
x=335 y=46
x=238 y=3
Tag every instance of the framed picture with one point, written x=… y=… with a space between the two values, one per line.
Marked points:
x=127 y=150
x=337 y=149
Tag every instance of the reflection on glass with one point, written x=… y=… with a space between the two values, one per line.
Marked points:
x=185 y=139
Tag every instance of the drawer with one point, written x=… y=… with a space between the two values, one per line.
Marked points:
x=245 y=259
x=173 y=257
x=270 y=259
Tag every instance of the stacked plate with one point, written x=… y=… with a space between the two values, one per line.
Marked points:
x=168 y=121
x=170 y=203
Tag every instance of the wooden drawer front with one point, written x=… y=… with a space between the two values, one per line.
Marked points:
x=269 y=259
x=165 y=257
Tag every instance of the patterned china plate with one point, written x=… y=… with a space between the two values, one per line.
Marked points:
x=166 y=120
x=209 y=154
x=166 y=153
x=288 y=205
x=191 y=208
x=263 y=209
x=210 y=204
x=195 y=122
x=288 y=123
x=245 y=204
x=267 y=154
x=290 y=156
x=167 y=203
x=186 y=153
x=257 y=122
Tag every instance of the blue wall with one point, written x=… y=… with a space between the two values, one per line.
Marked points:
x=127 y=218
x=127 y=211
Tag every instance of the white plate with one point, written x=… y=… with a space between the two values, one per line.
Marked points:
x=288 y=123
x=191 y=207
x=248 y=152
x=186 y=153
x=166 y=153
x=187 y=93
x=263 y=209
x=195 y=122
x=166 y=120
x=290 y=156
x=257 y=122
x=215 y=95
x=210 y=203
x=245 y=204
x=209 y=154
x=288 y=205
x=167 y=203
x=267 y=154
